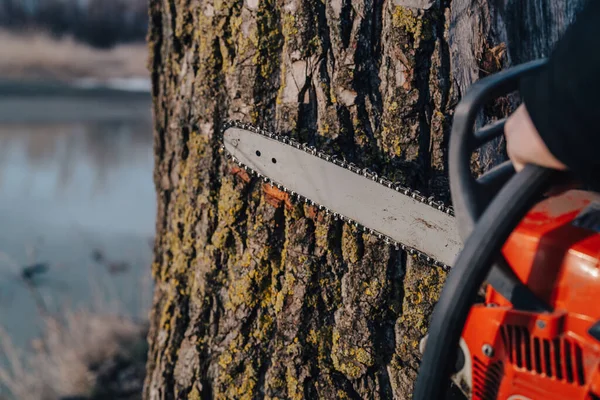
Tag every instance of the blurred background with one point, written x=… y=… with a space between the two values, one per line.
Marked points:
x=77 y=201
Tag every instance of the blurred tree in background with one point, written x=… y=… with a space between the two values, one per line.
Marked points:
x=100 y=23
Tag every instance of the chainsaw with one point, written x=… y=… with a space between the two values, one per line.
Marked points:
x=536 y=334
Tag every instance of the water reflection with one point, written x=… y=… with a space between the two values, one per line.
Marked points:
x=78 y=199
x=97 y=175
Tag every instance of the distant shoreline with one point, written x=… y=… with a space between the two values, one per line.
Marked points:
x=36 y=56
x=35 y=88
x=56 y=80
x=37 y=102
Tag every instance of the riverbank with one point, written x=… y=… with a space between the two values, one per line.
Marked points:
x=37 y=56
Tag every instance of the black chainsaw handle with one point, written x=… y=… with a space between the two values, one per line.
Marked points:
x=487 y=212
x=481 y=250
x=470 y=196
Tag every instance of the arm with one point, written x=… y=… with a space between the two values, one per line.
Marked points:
x=559 y=124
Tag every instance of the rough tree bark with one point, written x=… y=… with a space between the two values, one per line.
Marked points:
x=256 y=298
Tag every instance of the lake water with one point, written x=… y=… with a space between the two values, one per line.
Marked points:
x=77 y=205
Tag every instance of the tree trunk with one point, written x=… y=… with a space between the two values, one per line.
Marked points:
x=256 y=298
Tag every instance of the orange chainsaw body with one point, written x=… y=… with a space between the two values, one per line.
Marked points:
x=517 y=355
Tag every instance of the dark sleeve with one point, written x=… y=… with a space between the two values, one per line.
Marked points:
x=564 y=100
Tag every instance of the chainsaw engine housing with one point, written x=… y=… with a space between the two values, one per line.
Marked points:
x=511 y=354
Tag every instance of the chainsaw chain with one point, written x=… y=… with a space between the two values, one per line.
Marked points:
x=415 y=194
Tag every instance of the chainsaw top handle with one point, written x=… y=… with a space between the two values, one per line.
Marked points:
x=487 y=211
x=470 y=197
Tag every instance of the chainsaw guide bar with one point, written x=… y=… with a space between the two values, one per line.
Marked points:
x=400 y=216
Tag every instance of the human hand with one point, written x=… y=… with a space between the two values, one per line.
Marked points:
x=524 y=144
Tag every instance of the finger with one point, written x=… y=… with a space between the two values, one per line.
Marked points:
x=518 y=165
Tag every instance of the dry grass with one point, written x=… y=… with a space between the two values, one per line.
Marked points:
x=38 y=56
x=90 y=353
x=84 y=355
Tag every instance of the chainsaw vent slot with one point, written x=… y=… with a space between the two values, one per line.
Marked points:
x=560 y=358
x=486 y=379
